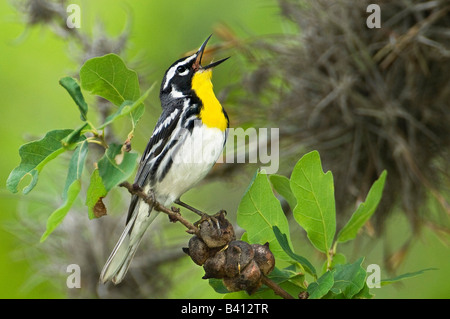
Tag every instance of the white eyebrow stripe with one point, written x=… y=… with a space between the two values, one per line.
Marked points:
x=170 y=74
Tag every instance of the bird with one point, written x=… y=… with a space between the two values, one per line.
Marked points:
x=186 y=142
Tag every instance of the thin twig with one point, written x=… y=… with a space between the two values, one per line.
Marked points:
x=276 y=289
x=174 y=215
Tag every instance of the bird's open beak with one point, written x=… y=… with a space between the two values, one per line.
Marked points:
x=198 y=60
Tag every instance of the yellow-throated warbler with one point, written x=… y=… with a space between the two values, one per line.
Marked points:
x=186 y=142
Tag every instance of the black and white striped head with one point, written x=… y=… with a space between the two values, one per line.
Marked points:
x=177 y=81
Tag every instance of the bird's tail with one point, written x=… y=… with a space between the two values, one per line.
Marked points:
x=118 y=262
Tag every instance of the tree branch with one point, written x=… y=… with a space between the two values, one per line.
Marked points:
x=174 y=214
x=276 y=289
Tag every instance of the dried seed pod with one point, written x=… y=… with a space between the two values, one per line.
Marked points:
x=264 y=258
x=216 y=231
x=214 y=266
x=249 y=279
x=239 y=255
x=198 y=251
x=232 y=284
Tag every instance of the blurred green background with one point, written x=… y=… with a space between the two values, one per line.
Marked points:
x=33 y=59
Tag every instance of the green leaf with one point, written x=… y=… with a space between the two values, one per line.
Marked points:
x=281 y=184
x=71 y=189
x=127 y=107
x=96 y=191
x=283 y=241
x=34 y=156
x=338 y=259
x=76 y=166
x=75 y=136
x=72 y=87
x=58 y=215
x=349 y=279
x=138 y=111
x=389 y=281
x=322 y=286
x=289 y=273
x=218 y=286
x=315 y=210
x=116 y=166
x=124 y=108
x=258 y=211
x=136 y=114
x=364 y=211
x=109 y=77
x=364 y=293
x=34 y=179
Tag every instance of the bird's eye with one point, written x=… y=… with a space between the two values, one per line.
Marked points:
x=181 y=69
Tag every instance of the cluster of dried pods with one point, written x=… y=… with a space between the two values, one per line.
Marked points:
x=239 y=264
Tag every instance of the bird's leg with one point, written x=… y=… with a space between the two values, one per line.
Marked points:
x=195 y=210
x=203 y=216
x=151 y=196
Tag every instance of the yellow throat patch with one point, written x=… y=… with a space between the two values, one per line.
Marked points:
x=211 y=113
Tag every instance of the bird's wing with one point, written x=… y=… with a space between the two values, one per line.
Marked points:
x=161 y=135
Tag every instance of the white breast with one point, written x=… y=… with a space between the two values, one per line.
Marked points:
x=192 y=160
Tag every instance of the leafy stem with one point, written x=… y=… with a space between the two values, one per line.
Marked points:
x=98 y=140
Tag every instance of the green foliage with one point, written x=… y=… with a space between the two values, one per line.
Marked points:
x=349 y=279
x=95 y=192
x=73 y=88
x=258 y=212
x=322 y=286
x=282 y=186
x=310 y=193
x=109 y=78
x=76 y=166
x=315 y=210
x=389 y=281
x=127 y=107
x=116 y=166
x=34 y=156
x=58 y=215
x=364 y=211
x=294 y=258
